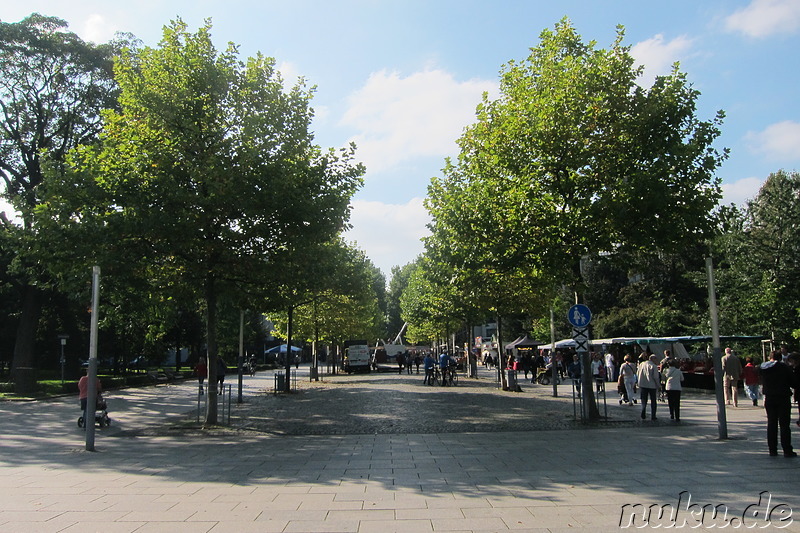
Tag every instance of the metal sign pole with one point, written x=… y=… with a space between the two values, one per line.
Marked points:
x=91 y=398
x=722 y=421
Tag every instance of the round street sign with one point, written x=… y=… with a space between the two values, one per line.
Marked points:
x=579 y=316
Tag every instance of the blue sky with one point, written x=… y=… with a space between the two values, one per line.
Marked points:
x=402 y=79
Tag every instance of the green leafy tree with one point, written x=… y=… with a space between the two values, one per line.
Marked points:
x=207 y=179
x=759 y=271
x=53 y=86
x=338 y=299
x=575 y=159
x=397 y=286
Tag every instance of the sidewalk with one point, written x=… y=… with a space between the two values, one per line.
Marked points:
x=523 y=480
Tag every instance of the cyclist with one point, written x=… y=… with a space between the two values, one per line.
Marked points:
x=444 y=363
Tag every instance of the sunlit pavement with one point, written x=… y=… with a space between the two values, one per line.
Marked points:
x=523 y=481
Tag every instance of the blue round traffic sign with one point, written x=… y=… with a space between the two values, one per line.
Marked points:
x=579 y=315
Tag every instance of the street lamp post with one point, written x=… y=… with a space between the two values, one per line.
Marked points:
x=63 y=339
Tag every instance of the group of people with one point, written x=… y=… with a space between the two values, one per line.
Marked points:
x=445 y=363
x=651 y=376
x=201 y=372
x=407 y=361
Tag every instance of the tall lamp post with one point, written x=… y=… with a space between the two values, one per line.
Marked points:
x=63 y=339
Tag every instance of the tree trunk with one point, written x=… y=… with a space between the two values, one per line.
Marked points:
x=211 y=346
x=25 y=344
x=592 y=412
x=286 y=384
x=501 y=356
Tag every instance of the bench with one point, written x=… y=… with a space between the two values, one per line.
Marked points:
x=157 y=377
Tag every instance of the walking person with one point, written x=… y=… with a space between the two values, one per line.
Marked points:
x=627 y=373
x=222 y=368
x=674 y=379
x=777 y=381
x=201 y=371
x=750 y=377
x=649 y=380
x=732 y=373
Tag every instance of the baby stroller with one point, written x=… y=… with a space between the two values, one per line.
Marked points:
x=100 y=414
x=545 y=376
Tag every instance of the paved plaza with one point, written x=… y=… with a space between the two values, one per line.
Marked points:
x=375 y=458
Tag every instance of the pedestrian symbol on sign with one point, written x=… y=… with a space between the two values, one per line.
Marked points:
x=579 y=316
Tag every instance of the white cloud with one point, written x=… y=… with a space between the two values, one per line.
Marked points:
x=399 y=118
x=740 y=191
x=97 y=30
x=389 y=233
x=763 y=18
x=658 y=55
x=779 y=141
x=289 y=72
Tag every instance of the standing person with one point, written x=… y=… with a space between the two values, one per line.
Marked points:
x=750 y=377
x=598 y=371
x=627 y=373
x=417 y=361
x=777 y=380
x=400 y=360
x=674 y=378
x=409 y=363
x=429 y=363
x=444 y=363
x=649 y=381
x=201 y=371
x=732 y=372
x=538 y=362
x=574 y=372
x=611 y=368
x=526 y=363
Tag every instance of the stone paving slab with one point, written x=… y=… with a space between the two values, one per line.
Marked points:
x=566 y=479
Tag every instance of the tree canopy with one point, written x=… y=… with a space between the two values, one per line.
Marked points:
x=53 y=87
x=575 y=158
x=207 y=179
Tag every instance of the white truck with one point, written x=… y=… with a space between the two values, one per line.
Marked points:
x=357 y=356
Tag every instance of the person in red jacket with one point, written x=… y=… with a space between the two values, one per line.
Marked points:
x=750 y=377
x=83 y=390
x=201 y=371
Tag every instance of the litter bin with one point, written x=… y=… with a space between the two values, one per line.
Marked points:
x=314 y=373
x=511 y=376
x=280 y=381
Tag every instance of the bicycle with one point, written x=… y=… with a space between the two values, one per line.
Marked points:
x=436 y=377
x=448 y=376
x=452 y=376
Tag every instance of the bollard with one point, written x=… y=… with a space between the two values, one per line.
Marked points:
x=229 y=405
